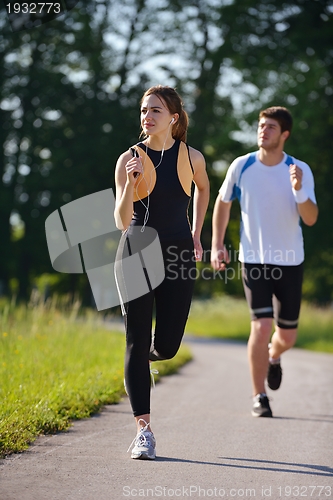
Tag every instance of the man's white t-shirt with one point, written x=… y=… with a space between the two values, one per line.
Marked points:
x=270 y=226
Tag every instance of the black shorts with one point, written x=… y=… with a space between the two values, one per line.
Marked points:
x=274 y=292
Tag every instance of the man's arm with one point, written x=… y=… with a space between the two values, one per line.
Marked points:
x=307 y=209
x=308 y=212
x=221 y=216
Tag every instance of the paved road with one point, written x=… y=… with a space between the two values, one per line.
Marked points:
x=208 y=444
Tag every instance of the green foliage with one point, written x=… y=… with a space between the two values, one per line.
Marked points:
x=291 y=70
x=57 y=366
x=69 y=98
x=221 y=317
x=228 y=318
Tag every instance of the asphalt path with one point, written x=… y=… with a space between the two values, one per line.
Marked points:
x=208 y=444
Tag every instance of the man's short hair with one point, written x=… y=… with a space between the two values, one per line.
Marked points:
x=280 y=114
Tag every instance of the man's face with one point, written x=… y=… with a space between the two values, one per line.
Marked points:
x=269 y=134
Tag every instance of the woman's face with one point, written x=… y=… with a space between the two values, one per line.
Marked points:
x=155 y=116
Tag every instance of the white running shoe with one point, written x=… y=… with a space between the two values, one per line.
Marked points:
x=144 y=444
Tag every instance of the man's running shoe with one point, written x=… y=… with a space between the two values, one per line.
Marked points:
x=274 y=376
x=144 y=444
x=261 y=406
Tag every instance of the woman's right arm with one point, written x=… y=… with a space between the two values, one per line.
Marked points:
x=125 y=181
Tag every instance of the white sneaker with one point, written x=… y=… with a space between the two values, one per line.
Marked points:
x=144 y=444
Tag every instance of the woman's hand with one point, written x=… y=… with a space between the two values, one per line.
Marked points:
x=198 y=251
x=133 y=169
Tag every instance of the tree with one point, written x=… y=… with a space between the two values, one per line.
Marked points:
x=289 y=69
x=70 y=103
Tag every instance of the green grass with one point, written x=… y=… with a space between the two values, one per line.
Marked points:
x=55 y=368
x=223 y=317
x=227 y=317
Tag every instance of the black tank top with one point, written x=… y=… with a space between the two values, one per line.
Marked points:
x=168 y=202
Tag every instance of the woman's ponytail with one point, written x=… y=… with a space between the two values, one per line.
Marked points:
x=179 y=129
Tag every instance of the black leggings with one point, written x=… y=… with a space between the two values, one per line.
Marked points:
x=172 y=299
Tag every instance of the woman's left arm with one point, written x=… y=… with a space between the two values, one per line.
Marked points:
x=200 y=199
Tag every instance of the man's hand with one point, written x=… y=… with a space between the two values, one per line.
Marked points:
x=219 y=258
x=296 y=175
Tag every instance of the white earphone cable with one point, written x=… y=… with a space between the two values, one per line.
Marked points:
x=146 y=216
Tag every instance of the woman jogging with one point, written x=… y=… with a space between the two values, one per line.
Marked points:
x=153 y=191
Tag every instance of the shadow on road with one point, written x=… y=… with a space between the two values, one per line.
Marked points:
x=267 y=465
x=320 y=418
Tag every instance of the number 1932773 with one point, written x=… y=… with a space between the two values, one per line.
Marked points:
x=305 y=491
x=33 y=8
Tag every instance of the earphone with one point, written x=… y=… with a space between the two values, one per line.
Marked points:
x=172 y=121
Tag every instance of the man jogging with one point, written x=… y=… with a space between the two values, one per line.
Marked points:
x=275 y=190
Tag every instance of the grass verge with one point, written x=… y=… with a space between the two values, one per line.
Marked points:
x=54 y=369
x=227 y=317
